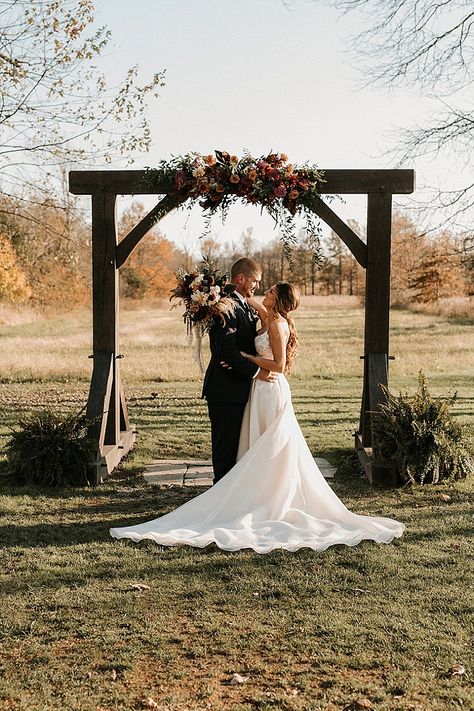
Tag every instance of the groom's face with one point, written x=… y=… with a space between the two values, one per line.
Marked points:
x=248 y=284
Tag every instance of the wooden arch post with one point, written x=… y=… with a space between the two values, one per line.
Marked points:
x=106 y=403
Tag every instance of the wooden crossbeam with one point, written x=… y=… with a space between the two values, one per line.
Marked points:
x=348 y=236
x=339 y=182
x=128 y=243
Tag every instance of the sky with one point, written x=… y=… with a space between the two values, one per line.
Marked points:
x=251 y=74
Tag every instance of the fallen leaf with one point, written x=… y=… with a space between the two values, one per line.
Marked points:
x=150 y=703
x=255 y=594
x=314 y=568
x=114 y=675
x=361 y=590
x=457 y=670
x=294 y=692
x=238 y=679
x=444 y=497
x=139 y=586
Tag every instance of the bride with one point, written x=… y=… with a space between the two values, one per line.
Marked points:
x=275 y=496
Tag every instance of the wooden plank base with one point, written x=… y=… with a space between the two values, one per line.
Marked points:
x=110 y=457
x=378 y=473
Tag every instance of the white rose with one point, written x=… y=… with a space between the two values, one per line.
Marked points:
x=196 y=283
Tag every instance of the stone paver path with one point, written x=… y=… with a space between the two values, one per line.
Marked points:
x=192 y=472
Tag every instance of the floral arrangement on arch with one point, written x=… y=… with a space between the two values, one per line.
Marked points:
x=205 y=294
x=219 y=179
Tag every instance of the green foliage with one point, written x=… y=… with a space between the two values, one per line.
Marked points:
x=50 y=450
x=133 y=285
x=421 y=437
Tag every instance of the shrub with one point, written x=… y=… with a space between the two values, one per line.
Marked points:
x=50 y=450
x=421 y=437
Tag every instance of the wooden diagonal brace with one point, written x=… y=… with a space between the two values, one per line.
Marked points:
x=348 y=236
x=128 y=244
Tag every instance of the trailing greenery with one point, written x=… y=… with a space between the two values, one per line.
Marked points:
x=218 y=180
x=421 y=437
x=51 y=450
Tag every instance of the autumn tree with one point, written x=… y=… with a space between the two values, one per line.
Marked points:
x=14 y=287
x=149 y=271
x=439 y=273
x=53 y=249
x=408 y=248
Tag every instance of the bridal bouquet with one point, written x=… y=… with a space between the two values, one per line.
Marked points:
x=206 y=296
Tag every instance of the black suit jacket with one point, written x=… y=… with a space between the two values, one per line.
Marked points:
x=226 y=341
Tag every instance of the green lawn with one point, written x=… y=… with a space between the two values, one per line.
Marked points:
x=310 y=631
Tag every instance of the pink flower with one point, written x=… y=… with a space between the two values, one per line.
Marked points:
x=279 y=191
x=180 y=178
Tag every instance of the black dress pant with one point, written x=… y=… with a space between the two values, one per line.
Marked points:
x=226 y=421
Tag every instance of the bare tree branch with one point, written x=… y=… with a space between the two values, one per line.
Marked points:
x=429 y=45
x=54 y=105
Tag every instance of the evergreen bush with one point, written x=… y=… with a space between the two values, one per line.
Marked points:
x=51 y=450
x=421 y=437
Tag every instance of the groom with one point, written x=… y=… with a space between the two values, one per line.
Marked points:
x=226 y=389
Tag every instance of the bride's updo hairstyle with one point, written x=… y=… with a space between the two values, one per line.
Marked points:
x=287 y=298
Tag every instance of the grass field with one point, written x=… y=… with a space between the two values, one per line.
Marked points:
x=366 y=627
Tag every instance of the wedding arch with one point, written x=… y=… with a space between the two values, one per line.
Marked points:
x=106 y=405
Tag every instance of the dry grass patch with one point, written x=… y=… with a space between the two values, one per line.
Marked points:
x=310 y=631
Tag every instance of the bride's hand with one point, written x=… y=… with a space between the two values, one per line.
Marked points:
x=246 y=355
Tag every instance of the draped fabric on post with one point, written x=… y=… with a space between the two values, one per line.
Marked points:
x=274 y=497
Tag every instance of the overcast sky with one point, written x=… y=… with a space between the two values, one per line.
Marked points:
x=249 y=74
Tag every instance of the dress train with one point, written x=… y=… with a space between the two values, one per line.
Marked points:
x=275 y=497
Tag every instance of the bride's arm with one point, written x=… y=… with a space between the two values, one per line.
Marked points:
x=277 y=336
x=260 y=309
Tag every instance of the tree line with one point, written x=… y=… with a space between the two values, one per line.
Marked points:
x=57 y=110
x=45 y=260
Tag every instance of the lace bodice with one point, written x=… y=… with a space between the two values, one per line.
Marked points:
x=262 y=345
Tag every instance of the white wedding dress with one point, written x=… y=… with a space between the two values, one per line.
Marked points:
x=274 y=497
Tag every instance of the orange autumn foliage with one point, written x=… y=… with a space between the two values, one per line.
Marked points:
x=14 y=285
x=149 y=271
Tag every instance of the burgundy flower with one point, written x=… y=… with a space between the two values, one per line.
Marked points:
x=279 y=191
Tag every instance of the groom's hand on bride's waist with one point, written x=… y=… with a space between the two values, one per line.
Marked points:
x=267 y=376
x=261 y=374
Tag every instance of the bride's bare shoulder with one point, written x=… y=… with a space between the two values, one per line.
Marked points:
x=278 y=326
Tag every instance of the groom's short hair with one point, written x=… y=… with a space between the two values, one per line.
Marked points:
x=245 y=266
